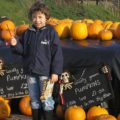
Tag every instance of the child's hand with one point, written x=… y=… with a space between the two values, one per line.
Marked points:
x=13 y=41
x=54 y=78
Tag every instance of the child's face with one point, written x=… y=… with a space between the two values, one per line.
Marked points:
x=39 y=19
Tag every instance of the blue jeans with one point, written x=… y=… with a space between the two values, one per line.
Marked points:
x=35 y=86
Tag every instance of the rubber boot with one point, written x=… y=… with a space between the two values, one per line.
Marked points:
x=36 y=114
x=48 y=115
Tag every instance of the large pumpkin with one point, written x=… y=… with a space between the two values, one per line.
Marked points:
x=105 y=35
x=105 y=117
x=21 y=29
x=24 y=106
x=75 y=113
x=7 y=34
x=78 y=31
x=95 y=111
x=4 y=109
x=7 y=25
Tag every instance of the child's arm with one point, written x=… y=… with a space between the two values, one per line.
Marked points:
x=57 y=57
x=16 y=46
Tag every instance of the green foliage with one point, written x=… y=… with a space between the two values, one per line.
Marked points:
x=17 y=10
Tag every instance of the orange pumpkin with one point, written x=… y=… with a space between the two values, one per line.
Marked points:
x=7 y=25
x=75 y=113
x=7 y=34
x=59 y=111
x=105 y=35
x=94 y=29
x=24 y=106
x=105 y=117
x=62 y=30
x=4 y=109
x=21 y=29
x=118 y=117
x=95 y=111
x=78 y=31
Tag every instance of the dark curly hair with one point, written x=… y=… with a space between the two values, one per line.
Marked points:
x=39 y=6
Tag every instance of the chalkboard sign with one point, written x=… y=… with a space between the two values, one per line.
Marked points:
x=89 y=86
x=13 y=81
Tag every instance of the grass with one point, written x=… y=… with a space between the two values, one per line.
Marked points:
x=17 y=10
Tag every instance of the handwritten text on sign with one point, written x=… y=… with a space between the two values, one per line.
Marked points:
x=90 y=87
x=13 y=83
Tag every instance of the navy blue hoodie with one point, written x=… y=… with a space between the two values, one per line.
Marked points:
x=41 y=51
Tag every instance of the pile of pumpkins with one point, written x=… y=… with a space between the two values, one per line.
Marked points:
x=86 y=28
x=71 y=113
x=68 y=28
x=78 y=113
x=8 y=29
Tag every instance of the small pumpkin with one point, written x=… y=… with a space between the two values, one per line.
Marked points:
x=21 y=29
x=105 y=35
x=75 y=113
x=7 y=25
x=105 y=117
x=24 y=106
x=7 y=34
x=5 y=109
x=95 y=111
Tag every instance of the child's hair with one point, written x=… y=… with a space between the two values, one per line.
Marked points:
x=39 y=6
